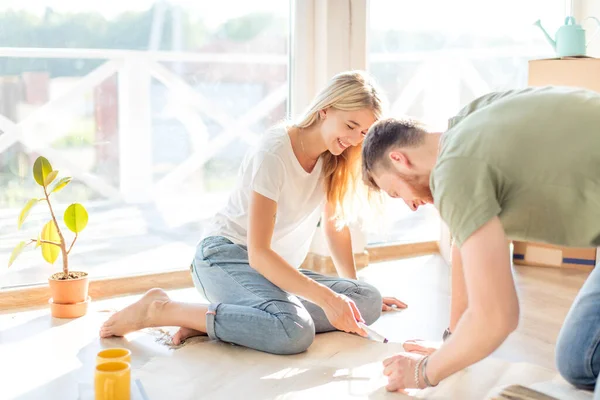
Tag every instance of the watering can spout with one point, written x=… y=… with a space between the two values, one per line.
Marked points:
x=538 y=23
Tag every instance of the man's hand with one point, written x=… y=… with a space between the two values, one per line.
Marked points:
x=421 y=347
x=400 y=370
x=388 y=302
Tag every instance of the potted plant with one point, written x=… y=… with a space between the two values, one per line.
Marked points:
x=69 y=289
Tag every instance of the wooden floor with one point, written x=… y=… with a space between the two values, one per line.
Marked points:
x=50 y=358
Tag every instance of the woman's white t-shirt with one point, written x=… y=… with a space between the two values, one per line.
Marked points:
x=272 y=170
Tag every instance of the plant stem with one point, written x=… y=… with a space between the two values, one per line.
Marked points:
x=72 y=244
x=63 y=247
x=44 y=241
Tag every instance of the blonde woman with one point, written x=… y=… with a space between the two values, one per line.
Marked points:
x=247 y=263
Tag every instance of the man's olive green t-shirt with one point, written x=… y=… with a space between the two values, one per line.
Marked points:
x=530 y=157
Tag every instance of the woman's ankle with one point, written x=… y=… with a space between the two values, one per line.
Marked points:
x=157 y=310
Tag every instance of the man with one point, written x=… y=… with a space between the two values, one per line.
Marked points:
x=521 y=164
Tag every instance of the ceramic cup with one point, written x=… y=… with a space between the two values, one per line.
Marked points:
x=112 y=381
x=116 y=354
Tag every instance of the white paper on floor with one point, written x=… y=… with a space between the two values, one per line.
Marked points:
x=337 y=365
x=87 y=391
x=487 y=378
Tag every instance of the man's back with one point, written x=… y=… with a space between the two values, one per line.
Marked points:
x=530 y=156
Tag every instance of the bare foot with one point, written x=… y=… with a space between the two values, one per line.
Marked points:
x=185 y=333
x=136 y=316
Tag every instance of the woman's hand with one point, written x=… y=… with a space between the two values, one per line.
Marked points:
x=388 y=302
x=343 y=314
x=400 y=370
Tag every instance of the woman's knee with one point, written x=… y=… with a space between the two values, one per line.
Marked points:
x=368 y=299
x=296 y=336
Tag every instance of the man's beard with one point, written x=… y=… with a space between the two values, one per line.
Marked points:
x=420 y=186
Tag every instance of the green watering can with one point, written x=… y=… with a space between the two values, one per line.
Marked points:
x=570 y=38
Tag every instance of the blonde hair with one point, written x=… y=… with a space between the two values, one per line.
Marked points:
x=347 y=91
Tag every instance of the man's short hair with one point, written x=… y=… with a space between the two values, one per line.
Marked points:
x=384 y=135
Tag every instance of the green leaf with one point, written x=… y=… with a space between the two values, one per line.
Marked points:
x=50 y=178
x=76 y=217
x=15 y=253
x=25 y=211
x=41 y=170
x=50 y=252
x=61 y=184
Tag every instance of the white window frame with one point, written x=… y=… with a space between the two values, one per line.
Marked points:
x=327 y=37
x=581 y=10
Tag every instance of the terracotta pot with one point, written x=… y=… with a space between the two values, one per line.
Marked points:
x=74 y=310
x=69 y=293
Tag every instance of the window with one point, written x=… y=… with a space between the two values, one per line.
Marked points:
x=432 y=57
x=149 y=106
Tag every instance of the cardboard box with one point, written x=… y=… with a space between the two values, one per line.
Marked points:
x=582 y=72
x=545 y=255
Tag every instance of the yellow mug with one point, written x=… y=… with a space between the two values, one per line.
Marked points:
x=112 y=381
x=116 y=354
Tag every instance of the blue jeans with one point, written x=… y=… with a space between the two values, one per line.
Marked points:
x=248 y=310
x=577 y=349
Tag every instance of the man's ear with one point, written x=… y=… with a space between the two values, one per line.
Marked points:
x=400 y=160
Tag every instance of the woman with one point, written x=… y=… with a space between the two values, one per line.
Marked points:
x=247 y=263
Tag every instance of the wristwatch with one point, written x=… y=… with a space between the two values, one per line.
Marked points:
x=446 y=334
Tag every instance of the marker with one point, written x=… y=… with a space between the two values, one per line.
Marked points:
x=372 y=334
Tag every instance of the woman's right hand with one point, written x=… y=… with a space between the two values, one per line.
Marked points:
x=343 y=314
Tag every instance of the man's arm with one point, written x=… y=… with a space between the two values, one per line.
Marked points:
x=493 y=310
x=459 y=300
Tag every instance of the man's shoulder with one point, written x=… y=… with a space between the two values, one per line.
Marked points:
x=520 y=97
x=451 y=171
x=457 y=146
x=450 y=163
x=464 y=191
x=494 y=98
